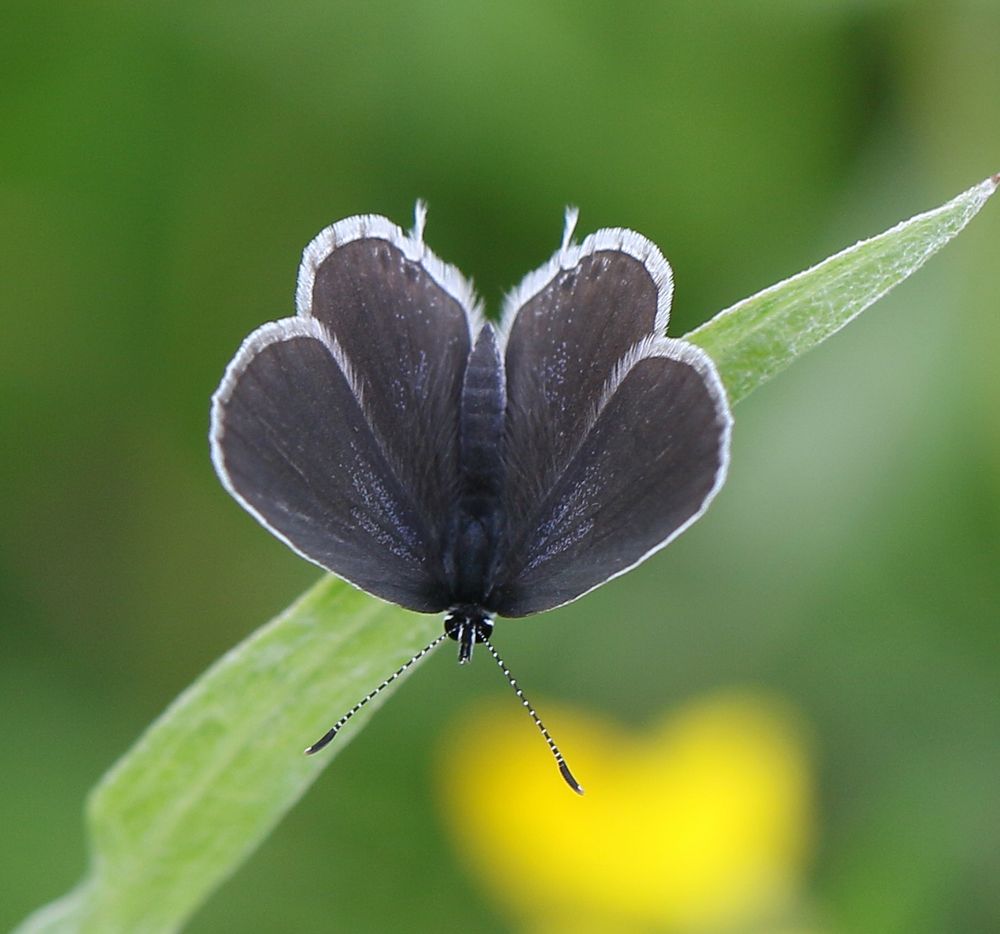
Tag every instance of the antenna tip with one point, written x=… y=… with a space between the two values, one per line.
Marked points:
x=322 y=742
x=568 y=776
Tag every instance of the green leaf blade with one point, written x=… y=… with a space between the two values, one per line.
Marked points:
x=756 y=338
x=199 y=791
x=205 y=784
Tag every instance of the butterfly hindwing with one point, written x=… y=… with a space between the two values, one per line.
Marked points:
x=617 y=438
x=566 y=327
x=405 y=321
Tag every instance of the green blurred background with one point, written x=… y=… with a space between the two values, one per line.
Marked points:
x=161 y=167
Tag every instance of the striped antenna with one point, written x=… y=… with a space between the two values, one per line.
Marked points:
x=371 y=695
x=560 y=761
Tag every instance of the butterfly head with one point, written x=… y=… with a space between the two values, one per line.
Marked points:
x=467 y=625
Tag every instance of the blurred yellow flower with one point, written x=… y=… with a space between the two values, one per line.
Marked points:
x=702 y=825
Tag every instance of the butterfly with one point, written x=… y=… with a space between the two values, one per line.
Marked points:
x=391 y=434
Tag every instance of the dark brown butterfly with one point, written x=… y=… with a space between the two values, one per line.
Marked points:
x=393 y=436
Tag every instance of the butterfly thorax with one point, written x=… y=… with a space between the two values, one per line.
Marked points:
x=474 y=547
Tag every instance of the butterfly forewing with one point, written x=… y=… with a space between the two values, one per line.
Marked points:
x=293 y=444
x=647 y=467
x=338 y=428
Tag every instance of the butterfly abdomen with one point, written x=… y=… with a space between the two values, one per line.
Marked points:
x=476 y=530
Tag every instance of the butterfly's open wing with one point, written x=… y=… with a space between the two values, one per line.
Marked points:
x=563 y=330
x=337 y=429
x=617 y=438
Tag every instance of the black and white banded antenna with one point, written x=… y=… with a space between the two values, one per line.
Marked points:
x=560 y=761
x=480 y=637
x=328 y=736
